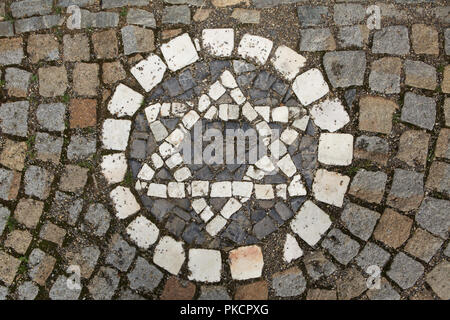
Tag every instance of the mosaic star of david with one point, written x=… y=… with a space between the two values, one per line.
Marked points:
x=212 y=208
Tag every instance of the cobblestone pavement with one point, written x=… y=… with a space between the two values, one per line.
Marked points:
x=351 y=201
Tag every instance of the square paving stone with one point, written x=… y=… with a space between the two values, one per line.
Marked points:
x=178 y=289
x=40 y=266
x=312 y=16
x=425 y=39
x=14 y=118
x=423 y=245
x=66 y=207
x=51 y=232
x=353 y=36
x=85 y=256
x=97 y=219
x=348 y=13
x=6 y=28
x=51 y=116
x=9 y=184
x=85 y=79
x=345 y=68
x=385 y=75
x=141 y=17
x=413 y=148
x=27 y=291
x=13 y=154
x=76 y=48
x=317 y=40
x=359 y=220
x=393 y=228
x=60 y=290
x=137 y=40
x=340 y=246
x=289 y=283
x=52 y=81
x=73 y=179
x=372 y=255
x=318 y=266
x=105 y=44
x=19 y=241
x=419 y=110
x=48 y=147
x=434 y=216
x=443 y=144
x=375 y=149
x=42 y=47
x=37 y=182
x=406 y=191
x=176 y=15
x=375 y=114
x=81 y=147
x=420 y=75
x=28 y=212
x=405 y=271
x=351 y=284
x=439 y=177
x=392 y=40
x=121 y=254
x=8 y=268
x=104 y=284
x=439 y=281
x=368 y=185
x=17 y=82
x=113 y=72
x=83 y=113
x=11 y=51
x=385 y=292
x=144 y=277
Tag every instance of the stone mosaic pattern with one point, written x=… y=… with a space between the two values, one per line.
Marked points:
x=92 y=182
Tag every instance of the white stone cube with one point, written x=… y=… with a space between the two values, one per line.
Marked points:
x=310 y=86
x=218 y=42
x=115 y=134
x=288 y=62
x=335 y=149
x=255 y=48
x=149 y=72
x=169 y=255
x=330 y=187
x=179 y=52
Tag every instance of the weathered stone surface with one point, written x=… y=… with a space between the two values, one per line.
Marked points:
x=28 y=212
x=202 y=14
x=177 y=289
x=51 y=116
x=37 y=182
x=443 y=144
x=9 y=184
x=359 y=220
x=423 y=245
x=407 y=190
x=318 y=266
x=104 y=284
x=321 y=294
x=375 y=114
x=425 y=39
x=11 y=51
x=100 y=19
x=369 y=185
x=19 y=241
x=6 y=28
x=345 y=68
x=85 y=79
x=289 y=283
x=372 y=255
x=27 y=8
x=97 y=219
x=176 y=15
x=13 y=154
x=439 y=281
x=353 y=36
x=38 y=23
x=392 y=40
x=434 y=216
x=76 y=47
x=113 y=72
x=81 y=147
x=311 y=16
x=413 y=148
x=14 y=118
x=420 y=75
x=60 y=290
x=254 y=291
x=121 y=254
x=109 y=4
x=4 y=216
x=105 y=44
x=351 y=284
x=445 y=85
x=8 y=268
x=73 y=179
x=340 y=246
x=27 y=291
x=40 y=266
x=419 y=110
x=405 y=271
x=439 y=177
x=372 y=148
x=393 y=228
x=17 y=82
x=144 y=276
x=141 y=17
x=136 y=40
x=85 y=256
x=53 y=233
x=385 y=292
x=83 y=113
x=246 y=15
x=48 y=147
x=52 y=81
x=385 y=75
x=42 y=47
x=213 y=293
x=447 y=41
x=317 y=40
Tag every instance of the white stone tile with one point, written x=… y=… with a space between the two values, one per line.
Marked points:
x=264 y=112
x=182 y=174
x=152 y=112
x=255 y=173
x=115 y=134
x=246 y=262
x=146 y=173
x=277 y=149
x=125 y=101
x=242 y=189
x=157 y=160
x=207 y=214
x=143 y=232
x=335 y=149
x=288 y=62
x=221 y=189
x=289 y=136
x=237 y=96
x=330 y=115
x=218 y=42
x=265 y=164
x=179 y=109
x=263 y=129
x=301 y=123
x=310 y=86
x=166 y=150
x=190 y=119
x=203 y=103
x=291 y=249
x=249 y=112
x=176 y=137
x=281 y=191
x=223 y=112
x=280 y=114
x=114 y=167
x=296 y=187
x=233 y=112
x=199 y=205
x=310 y=223
x=169 y=255
x=157 y=190
x=124 y=202
x=255 y=48
x=165 y=109
x=264 y=191
x=200 y=188
x=228 y=80
x=211 y=113
x=179 y=52
x=330 y=187
x=176 y=190
x=159 y=130
x=149 y=72
x=287 y=165
x=174 y=160
x=204 y=265
x=215 y=225
x=216 y=90
x=230 y=208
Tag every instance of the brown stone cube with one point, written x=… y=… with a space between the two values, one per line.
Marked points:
x=83 y=113
x=253 y=291
x=393 y=228
x=85 y=79
x=425 y=39
x=52 y=81
x=375 y=114
x=177 y=289
x=53 y=233
x=413 y=148
x=42 y=47
x=13 y=154
x=113 y=72
x=76 y=48
x=105 y=44
x=8 y=267
x=73 y=179
x=28 y=212
x=19 y=240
